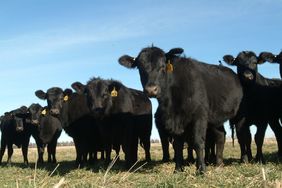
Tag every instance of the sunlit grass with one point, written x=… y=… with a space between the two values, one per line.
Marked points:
x=154 y=174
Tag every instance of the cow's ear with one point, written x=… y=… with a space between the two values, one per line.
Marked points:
x=127 y=61
x=229 y=59
x=67 y=92
x=41 y=94
x=21 y=112
x=174 y=52
x=23 y=109
x=78 y=87
x=266 y=56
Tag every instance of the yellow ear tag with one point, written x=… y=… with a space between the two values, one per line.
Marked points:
x=114 y=92
x=44 y=112
x=66 y=98
x=169 y=66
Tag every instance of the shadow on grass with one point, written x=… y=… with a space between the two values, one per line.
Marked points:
x=65 y=167
x=268 y=157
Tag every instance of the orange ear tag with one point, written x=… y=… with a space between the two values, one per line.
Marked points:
x=66 y=98
x=169 y=67
x=114 y=92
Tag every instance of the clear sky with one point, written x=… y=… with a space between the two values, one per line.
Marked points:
x=45 y=43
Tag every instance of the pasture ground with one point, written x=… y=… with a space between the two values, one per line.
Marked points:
x=154 y=174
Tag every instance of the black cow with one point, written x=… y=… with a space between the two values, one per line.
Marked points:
x=263 y=104
x=125 y=114
x=73 y=112
x=32 y=120
x=192 y=96
x=50 y=129
x=14 y=131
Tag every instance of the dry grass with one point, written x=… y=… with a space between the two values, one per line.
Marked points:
x=154 y=174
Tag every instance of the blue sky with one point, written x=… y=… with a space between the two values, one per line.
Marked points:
x=45 y=43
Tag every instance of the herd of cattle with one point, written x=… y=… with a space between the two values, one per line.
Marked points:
x=195 y=99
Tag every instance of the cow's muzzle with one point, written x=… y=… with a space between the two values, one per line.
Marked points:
x=152 y=90
x=34 y=122
x=54 y=111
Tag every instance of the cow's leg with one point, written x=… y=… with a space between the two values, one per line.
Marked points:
x=103 y=155
x=190 y=157
x=117 y=150
x=40 y=151
x=277 y=129
x=53 y=150
x=259 y=138
x=210 y=146
x=147 y=146
x=92 y=156
x=25 y=150
x=108 y=150
x=219 y=134
x=49 y=151
x=3 y=147
x=248 y=137
x=78 y=159
x=199 y=130
x=165 y=145
x=40 y=148
x=242 y=129
x=10 y=153
x=178 y=149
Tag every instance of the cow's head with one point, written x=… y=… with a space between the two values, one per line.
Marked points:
x=153 y=65
x=246 y=62
x=55 y=97
x=18 y=118
x=100 y=94
x=48 y=127
x=35 y=111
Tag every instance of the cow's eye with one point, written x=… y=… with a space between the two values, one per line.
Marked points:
x=104 y=95
x=252 y=66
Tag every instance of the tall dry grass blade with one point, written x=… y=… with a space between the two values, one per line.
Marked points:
x=263 y=177
x=139 y=167
x=128 y=172
x=263 y=174
x=109 y=168
x=43 y=181
x=61 y=182
x=17 y=183
x=54 y=169
x=34 y=176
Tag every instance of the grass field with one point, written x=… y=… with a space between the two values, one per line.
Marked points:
x=155 y=174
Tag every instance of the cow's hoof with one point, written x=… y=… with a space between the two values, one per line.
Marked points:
x=26 y=163
x=260 y=160
x=191 y=160
x=40 y=161
x=148 y=160
x=178 y=169
x=244 y=159
x=165 y=160
x=279 y=158
x=201 y=170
